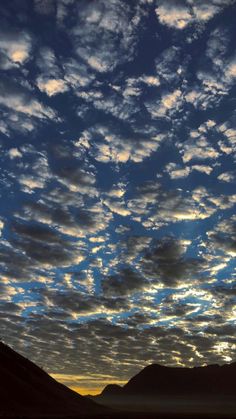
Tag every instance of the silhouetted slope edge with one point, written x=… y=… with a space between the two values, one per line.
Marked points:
x=207 y=380
x=209 y=389
x=28 y=390
x=112 y=389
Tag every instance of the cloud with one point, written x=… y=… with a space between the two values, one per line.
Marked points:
x=15 y=265
x=1 y=226
x=205 y=11
x=228 y=135
x=76 y=179
x=29 y=183
x=19 y=99
x=70 y=218
x=115 y=25
x=44 y=245
x=44 y=235
x=155 y=207
x=52 y=86
x=216 y=71
x=198 y=149
x=169 y=104
x=171 y=346
x=175 y=171
x=14 y=153
x=173 y=14
x=117 y=206
x=123 y=236
x=22 y=111
x=166 y=263
x=39 y=174
x=125 y=282
x=114 y=147
x=51 y=78
x=223 y=237
x=115 y=100
x=202 y=168
x=76 y=303
x=178 y=14
x=45 y=7
x=77 y=74
x=226 y=177
x=16 y=47
x=47 y=62
x=150 y=80
x=133 y=247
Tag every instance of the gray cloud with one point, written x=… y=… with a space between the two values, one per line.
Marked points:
x=125 y=282
x=115 y=25
x=21 y=110
x=166 y=263
x=223 y=238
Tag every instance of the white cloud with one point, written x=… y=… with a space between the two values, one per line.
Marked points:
x=14 y=153
x=204 y=10
x=226 y=177
x=230 y=69
x=30 y=183
x=171 y=99
x=169 y=104
x=38 y=177
x=117 y=206
x=18 y=99
x=199 y=149
x=77 y=74
x=155 y=208
x=177 y=172
x=202 y=168
x=179 y=14
x=16 y=45
x=109 y=146
x=1 y=226
x=117 y=191
x=150 y=80
x=173 y=14
x=52 y=86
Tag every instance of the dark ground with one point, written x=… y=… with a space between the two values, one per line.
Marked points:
x=132 y=415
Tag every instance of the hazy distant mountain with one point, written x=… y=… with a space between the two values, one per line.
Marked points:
x=210 y=388
x=25 y=389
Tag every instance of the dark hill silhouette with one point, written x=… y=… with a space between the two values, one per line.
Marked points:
x=210 y=388
x=208 y=380
x=27 y=390
x=112 y=389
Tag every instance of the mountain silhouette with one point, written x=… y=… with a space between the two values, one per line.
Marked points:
x=208 y=380
x=205 y=389
x=27 y=390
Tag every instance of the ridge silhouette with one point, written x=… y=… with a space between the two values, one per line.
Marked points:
x=25 y=389
x=199 y=390
x=206 y=380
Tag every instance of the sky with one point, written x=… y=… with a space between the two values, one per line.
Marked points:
x=117 y=216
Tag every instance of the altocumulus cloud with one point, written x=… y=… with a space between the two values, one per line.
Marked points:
x=118 y=184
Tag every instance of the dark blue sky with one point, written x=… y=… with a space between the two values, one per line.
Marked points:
x=117 y=217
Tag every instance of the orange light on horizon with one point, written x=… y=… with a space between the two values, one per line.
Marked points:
x=84 y=391
x=87 y=384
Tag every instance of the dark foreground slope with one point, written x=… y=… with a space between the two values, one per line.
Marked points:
x=200 y=390
x=26 y=390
